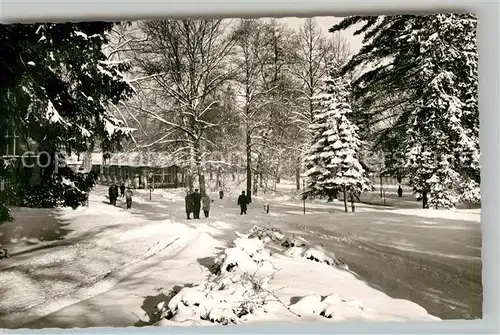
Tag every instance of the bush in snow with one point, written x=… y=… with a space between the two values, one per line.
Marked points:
x=266 y=234
x=325 y=306
x=5 y=199
x=4 y=253
x=239 y=287
x=294 y=248
x=316 y=254
x=65 y=188
x=239 y=283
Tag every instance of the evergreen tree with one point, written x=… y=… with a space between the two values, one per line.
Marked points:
x=54 y=94
x=332 y=163
x=429 y=63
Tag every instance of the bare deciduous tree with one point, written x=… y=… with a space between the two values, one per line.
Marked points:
x=315 y=55
x=186 y=62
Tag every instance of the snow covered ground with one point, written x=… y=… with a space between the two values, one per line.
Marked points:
x=112 y=267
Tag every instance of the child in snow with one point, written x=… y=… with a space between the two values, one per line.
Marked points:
x=122 y=190
x=400 y=192
x=128 y=197
x=221 y=194
x=206 y=205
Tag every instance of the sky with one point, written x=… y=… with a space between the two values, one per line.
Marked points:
x=325 y=23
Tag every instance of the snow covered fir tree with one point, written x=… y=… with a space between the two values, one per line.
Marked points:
x=427 y=67
x=332 y=163
x=178 y=172
x=55 y=95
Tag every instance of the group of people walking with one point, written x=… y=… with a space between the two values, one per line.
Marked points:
x=125 y=192
x=194 y=203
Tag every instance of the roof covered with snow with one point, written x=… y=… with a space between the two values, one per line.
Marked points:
x=134 y=158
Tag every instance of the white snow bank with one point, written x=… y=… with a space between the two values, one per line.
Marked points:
x=251 y=285
x=324 y=292
x=454 y=214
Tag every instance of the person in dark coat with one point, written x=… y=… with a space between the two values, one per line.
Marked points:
x=221 y=194
x=111 y=192
x=243 y=202
x=400 y=192
x=122 y=190
x=196 y=204
x=189 y=205
x=116 y=191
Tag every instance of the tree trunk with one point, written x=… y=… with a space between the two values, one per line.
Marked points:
x=424 y=200
x=203 y=190
x=255 y=183
x=233 y=169
x=211 y=174
x=249 y=167
x=297 y=175
x=345 y=199
x=353 y=208
x=381 y=187
x=217 y=178
x=199 y=169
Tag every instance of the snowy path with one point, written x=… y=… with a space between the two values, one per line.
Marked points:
x=128 y=256
x=107 y=244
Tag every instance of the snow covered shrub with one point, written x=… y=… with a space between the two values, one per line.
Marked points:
x=240 y=287
x=247 y=255
x=316 y=254
x=326 y=307
x=266 y=234
x=4 y=212
x=66 y=188
x=291 y=242
x=4 y=253
x=7 y=197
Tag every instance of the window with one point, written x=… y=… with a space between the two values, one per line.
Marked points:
x=11 y=148
x=4 y=184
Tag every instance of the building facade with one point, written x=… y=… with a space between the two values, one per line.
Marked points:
x=134 y=169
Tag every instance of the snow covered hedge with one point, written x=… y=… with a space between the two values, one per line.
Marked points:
x=65 y=188
x=239 y=281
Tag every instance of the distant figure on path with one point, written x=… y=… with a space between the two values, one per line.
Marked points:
x=189 y=205
x=221 y=194
x=196 y=204
x=243 y=202
x=116 y=191
x=128 y=197
x=112 y=194
x=122 y=190
x=206 y=205
x=400 y=192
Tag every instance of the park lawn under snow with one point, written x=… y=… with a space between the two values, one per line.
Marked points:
x=122 y=264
